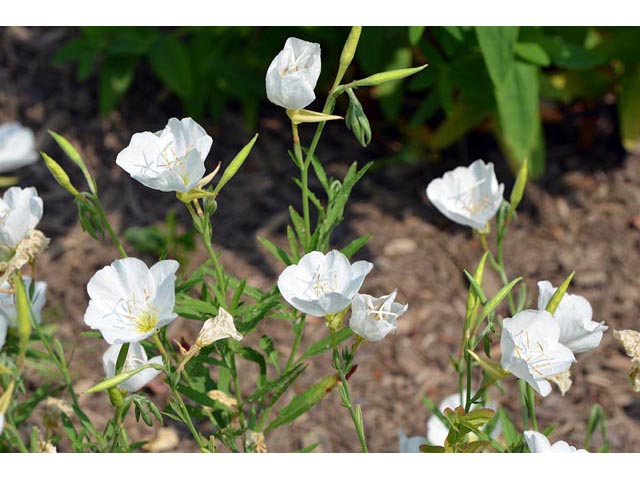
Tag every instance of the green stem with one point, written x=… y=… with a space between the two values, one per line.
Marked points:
x=531 y=403
x=110 y=231
x=304 y=179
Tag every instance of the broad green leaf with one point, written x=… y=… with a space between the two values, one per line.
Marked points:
x=532 y=53
x=497 y=46
x=629 y=110
x=415 y=33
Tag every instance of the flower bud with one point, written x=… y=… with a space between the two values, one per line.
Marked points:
x=348 y=52
x=357 y=121
x=307 y=116
x=59 y=174
x=380 y=78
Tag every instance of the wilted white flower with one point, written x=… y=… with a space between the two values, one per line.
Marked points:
x=27 y=251
x=531 y=350
x=293 y=74
x=373 y=318
x=437 y=430
x=630 y=340
x=577 y=331
x=216 y=328
x=17 y=146
x=129 y=301
x=538 y=443
x=20 y=211
x=409 y=444
x=4 y=325
x=8 y=304
x=136 y=357
x=563 y=381
x=469 y=195
x=322 y=284
x=171 y=160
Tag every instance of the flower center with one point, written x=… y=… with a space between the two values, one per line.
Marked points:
x=146 y=322
x=466 y=200
x=535 y=356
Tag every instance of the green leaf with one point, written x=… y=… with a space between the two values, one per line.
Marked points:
x=169 y=59
x=356 y=245
x=497 y=46
x=303 y=402
x=415 y=33
x=518 y=113
x=326 y=343
x=275 y=250
x=556 y=298
x=532 y=53
x=629 y=110
x=493 y=303
x=116 y=76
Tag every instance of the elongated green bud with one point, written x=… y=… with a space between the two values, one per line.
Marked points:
x=24 y=315
x=75 y=157
x=380 y=78
x=118 y=379
x=552 y=306
x=235 y=165
x=357 y=121
x=518 y=189
x=348 y=52
x=59 y=174
x=308 y=116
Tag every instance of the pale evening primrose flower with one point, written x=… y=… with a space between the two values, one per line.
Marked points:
x=437 y=430
x=130 y=302
x=8 y=305
x=4 y=325
x=531 y=350
x=136 y=357
x=293 y=74
x=469 y=195
x=171 y=160
x=577 y=331
x=20 y=211
x=538 y=443
x=17 y=146
x=322 y=284
x=374 y=318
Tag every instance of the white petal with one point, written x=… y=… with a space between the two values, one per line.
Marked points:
x=17 y=146
x=4 y=324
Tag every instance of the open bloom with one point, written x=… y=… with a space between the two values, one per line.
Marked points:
x=293 y=74
x=17 y=146
x=8 y=305
x=374 y=318
x=469 y=195
x=577 y=331
x=129 y=301
x=20 y=211
x=322 y=284
x=136 y=357
x=171 y=160
x=531 y=349
x=538 y=443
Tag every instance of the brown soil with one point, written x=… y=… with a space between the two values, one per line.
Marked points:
x=582 y=216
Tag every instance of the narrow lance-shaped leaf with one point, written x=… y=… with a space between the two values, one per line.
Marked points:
x=235 y=165
x=555 y=300
x=492 y=304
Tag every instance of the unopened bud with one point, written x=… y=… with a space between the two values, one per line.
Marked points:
x=357 y=121
x=59 y=174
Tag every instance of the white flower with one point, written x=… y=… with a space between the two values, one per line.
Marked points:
x=130 y=302
x=8 y=305
x=469 y=195
x=437 y=430
x=409 y=444
x=577 y=331
x=171 y=160
x=531 y=350
x=322 y=284
x=17 y=146
x=374 y=318
x=538 y=443
x=136 y=357
x=4 y=325
x=1 y=422
x=293 y=74
x=20 y=211
x=217 y=328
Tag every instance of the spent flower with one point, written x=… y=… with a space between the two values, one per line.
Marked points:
x=129 y=301
x=136 y=357
x=374 y=318
x=293 y=74
x=17 y=146
x=531 y=349
x=630 y=340
x=573 y=315
x=469 y=195
x=171 y=160
x=322 y=284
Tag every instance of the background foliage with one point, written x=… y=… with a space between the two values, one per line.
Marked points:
x=493 y=77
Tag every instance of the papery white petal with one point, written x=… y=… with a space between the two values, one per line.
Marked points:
x=469 y=196
x=292 y=75
x=538 y=443
x=136 y=357
x=374 y=318
x=574 y=317
x=17 y=146
x=218 y=328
